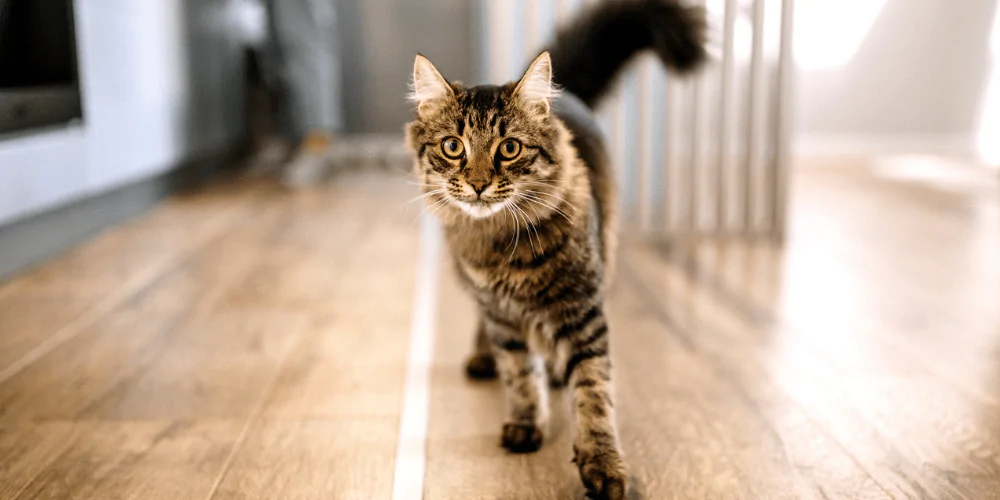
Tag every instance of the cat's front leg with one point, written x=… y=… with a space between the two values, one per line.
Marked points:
x=588 y=373
x=525 y=387
x=481 y=365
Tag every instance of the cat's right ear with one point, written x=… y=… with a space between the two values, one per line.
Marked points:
x=429 y=89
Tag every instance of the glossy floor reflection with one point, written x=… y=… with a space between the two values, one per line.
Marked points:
x=248 y=342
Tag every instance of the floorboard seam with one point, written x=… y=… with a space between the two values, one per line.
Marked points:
x=255 y=414
x=411 y=441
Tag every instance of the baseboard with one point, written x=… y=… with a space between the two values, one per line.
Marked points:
x=877 y=145
x=36 y=238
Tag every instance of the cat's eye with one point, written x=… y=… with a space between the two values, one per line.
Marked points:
x=509 y=149
x=453 y=147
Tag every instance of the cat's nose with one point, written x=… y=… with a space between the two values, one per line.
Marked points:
x=478 y=185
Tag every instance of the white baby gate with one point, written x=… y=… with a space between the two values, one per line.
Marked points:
x=699 y=155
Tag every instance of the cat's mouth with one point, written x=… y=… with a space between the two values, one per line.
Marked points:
x=480 y=209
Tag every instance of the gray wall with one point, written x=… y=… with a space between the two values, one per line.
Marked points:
x=380 y=38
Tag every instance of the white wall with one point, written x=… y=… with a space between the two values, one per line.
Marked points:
x=916 y=83
x=160 y=80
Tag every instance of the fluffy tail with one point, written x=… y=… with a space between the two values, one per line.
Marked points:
x=588 y=53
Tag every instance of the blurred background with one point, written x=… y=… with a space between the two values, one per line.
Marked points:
x=95 y=96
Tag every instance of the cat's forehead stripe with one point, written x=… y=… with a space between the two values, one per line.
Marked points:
x=482 y=105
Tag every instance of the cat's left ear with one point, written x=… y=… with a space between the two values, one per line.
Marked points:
x=430 y=89
x=535 y=90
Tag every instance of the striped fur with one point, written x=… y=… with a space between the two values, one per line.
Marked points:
x=533 y=236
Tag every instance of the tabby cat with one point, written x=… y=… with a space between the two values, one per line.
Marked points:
x=520 y=179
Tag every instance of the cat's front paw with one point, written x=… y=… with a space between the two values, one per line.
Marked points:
x=603 y=473
x=521 y=438
x=481 y=366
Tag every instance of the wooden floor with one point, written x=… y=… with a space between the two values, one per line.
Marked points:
x=246 y=342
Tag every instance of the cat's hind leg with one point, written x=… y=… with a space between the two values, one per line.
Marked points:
x=481 y=364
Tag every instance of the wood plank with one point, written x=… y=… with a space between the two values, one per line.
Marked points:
x=927 y=269
x=27 y=450
x=197 y=347
x=906 y=429
x=353 y=363
x=330 y=458
x=121 y=460
x=214 y=365
x=71 y=379
x=47 y=305
x=328 y=425
x=27 y=320
x=718 y=435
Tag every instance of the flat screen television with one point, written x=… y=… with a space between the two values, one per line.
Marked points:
x=39 y=84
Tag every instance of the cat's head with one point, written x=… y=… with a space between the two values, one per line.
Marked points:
x=481 y=150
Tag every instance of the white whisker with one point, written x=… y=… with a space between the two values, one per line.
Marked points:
x=424 y=184
x=507 y=210
x=549 y=203
x=517 y=234
x=552 y=195
x=425 y=195
x=540 y=202
x=432 y=208
x=528 y=227
x=537 y=217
